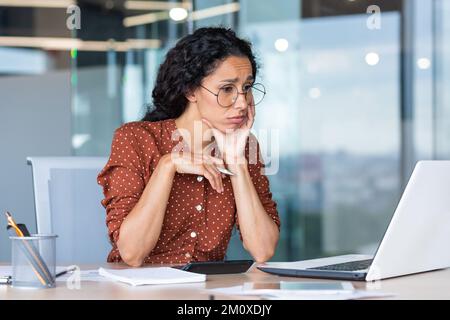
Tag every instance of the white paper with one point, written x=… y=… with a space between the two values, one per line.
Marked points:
x=159 y=275
x=298 y=294
x=357 y=294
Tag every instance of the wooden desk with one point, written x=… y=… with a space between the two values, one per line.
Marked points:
x=430 y=285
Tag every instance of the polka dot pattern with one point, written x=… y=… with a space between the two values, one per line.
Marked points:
x=198 y=221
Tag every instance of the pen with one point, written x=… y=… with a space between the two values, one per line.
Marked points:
x=225 y=171
x=5 y=280
x=38 y=265
x=65 y=271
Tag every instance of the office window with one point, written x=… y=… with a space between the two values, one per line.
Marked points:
x=334 y=95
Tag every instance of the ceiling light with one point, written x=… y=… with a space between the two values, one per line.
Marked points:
x=178 y=14
x=53 y=43
x=314 y=93
x=281 y=45
x=155 y=5
x=37 y=3
x=372 y=59
x=424 y=63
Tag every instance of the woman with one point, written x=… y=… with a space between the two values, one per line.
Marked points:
x=165 y=199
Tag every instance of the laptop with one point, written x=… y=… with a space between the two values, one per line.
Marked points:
x=416 y=239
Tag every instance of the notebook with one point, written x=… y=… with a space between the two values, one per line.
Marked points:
x=159 y=275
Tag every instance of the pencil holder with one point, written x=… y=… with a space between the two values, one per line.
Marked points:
x=33 y=261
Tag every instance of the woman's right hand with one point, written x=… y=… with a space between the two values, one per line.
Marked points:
x=203 y=165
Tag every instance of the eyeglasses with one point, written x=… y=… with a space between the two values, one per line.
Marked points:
x=228 y=94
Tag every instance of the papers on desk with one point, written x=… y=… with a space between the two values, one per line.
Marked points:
x=135 y=277
x=357 y=294
x=159 y=275
x=280 y=294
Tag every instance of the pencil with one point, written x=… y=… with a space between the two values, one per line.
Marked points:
x=19 y=233
x=13 y=224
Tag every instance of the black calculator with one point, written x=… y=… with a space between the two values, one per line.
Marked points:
x=218 y=267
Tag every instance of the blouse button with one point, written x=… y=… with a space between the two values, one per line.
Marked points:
x=199 y=178
x=187 y=255
x=198 y=207
x=193 y=234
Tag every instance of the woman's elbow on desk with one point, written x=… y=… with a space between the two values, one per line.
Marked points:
x=260 y=249
x=130 y=257
x=135 y=263
x=262 y=255
x=262 y=258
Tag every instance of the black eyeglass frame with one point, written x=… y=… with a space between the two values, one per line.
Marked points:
x=238 y=93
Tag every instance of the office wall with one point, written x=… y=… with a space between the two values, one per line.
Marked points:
x=35 y=120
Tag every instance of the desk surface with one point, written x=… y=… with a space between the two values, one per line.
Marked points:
x=429 y=285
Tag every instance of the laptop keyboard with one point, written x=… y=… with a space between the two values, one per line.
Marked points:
x=347 y=266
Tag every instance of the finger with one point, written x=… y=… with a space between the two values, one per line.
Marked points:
x=207 y=158
x=212 y=149
x=210 y=173
x=214 y=168
x=209 y=148
x=220 y=176
x=216 y=176
x=216 y=179
x=210 y=178
x=218 y=162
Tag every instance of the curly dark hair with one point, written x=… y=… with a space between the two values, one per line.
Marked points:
x=193 y=58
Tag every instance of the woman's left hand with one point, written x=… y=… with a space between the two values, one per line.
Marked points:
x=232 y=143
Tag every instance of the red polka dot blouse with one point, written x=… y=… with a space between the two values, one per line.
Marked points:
x=198 y=221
